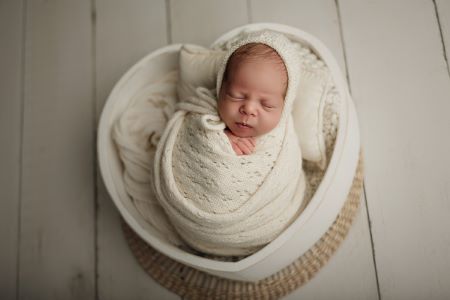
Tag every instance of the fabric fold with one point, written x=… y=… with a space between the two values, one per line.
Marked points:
x=218 y=202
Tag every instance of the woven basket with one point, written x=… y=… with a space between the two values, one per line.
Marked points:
x=325 y=219
x=191 y=283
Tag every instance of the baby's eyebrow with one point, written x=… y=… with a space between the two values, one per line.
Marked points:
x=274 y=93
x=272 y=98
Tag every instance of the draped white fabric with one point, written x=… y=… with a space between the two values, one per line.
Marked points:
x=221 y=203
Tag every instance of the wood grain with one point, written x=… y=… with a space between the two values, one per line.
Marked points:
x=57 y=212
x=400 y=78
x=203 y=21
x=125 y=32
x=11 y=62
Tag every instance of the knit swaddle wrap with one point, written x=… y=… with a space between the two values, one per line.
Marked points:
x=218 y=202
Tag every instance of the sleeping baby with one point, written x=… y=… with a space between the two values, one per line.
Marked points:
x=228 y=167
x=252 y=94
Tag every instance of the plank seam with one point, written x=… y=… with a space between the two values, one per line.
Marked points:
x=441 y=35
x=94 y=144
x=344 y=53
x=371 y=242
x=341 y=32
x=22 y=120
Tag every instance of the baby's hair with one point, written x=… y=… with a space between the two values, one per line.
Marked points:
x=254 y=51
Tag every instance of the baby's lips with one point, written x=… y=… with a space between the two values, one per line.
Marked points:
x=244 y=123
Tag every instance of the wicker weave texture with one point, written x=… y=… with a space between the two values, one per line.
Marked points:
x=191 y=283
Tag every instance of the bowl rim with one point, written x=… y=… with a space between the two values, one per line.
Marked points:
x=316 y=202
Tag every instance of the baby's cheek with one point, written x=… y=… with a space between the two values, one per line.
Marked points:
x=269 y=124
x=223 y=112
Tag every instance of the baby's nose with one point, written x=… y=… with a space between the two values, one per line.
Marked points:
x=248 y=109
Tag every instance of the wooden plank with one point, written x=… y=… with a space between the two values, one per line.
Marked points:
x=398 y=73
x=443 y=13
x=355 y=257
x=57 y=214
x=203 y=21
x=11 y=39
x=126 y=31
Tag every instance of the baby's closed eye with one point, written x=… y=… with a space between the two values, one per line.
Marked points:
x=268 y=105
x=236 y=96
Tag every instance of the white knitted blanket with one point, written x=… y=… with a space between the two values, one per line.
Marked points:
x=140 y=127
x=218 y=202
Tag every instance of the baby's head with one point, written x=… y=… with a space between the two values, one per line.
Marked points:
x=253 y=89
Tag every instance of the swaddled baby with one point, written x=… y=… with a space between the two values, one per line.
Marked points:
x=228 y=167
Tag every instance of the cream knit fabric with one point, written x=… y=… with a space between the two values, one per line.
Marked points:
x=218 y=202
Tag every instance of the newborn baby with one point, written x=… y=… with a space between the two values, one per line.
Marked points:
x=251 y=98
x=219 y=200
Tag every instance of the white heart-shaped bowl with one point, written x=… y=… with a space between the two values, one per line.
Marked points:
x=303 y=233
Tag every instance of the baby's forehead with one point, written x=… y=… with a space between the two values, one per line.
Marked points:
x=255 y=51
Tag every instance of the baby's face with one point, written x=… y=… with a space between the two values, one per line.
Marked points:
x=253 y=94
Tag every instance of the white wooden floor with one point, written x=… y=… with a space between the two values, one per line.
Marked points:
x=60 y=232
